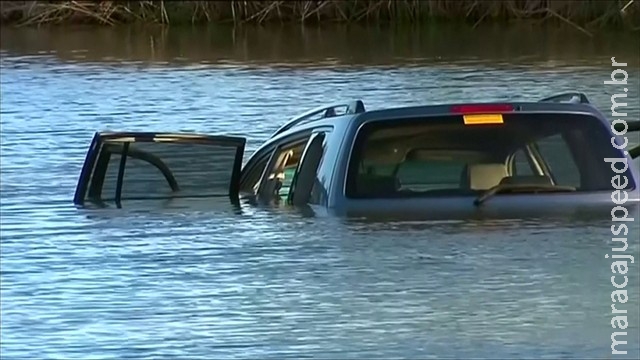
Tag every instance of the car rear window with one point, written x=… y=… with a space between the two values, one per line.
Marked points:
x=444 y=156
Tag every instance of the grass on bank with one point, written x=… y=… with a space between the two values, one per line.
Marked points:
x=583 y=14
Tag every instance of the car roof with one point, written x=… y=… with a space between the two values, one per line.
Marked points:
x=326 y=115
x=446 y=109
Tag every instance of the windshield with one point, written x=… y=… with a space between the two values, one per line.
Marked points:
x=444 y=156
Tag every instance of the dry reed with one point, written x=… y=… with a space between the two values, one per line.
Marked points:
x=583 y=14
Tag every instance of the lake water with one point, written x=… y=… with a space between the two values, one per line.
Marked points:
x=214 y=282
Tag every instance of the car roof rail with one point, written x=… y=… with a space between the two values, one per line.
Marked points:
x=568 y=97
x=353 y=107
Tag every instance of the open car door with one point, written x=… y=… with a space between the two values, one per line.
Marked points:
x=156 y=166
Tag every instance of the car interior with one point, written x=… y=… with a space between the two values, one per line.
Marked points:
x=446 y=157
x=279 y=180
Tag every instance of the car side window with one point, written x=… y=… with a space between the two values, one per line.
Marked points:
x=521 y=164
x=251 y=180
x=318 y=194
x=141 y=180
x=277 y=181
x=164 y=170
x=559 y=159
x=306 y=183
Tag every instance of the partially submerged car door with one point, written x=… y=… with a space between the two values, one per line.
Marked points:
x=155 y=166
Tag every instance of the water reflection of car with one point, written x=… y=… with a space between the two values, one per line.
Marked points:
x=468 y=158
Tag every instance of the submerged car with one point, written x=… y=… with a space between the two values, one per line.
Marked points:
x=453 y=158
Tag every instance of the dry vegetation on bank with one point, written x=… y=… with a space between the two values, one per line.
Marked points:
x=583 y=14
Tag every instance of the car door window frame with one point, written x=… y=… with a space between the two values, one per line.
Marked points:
x=546 y=166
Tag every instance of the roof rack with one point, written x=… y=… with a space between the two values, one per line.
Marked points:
x=353 y=107
x=568 y=97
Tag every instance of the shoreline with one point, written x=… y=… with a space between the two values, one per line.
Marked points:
x=584 y=15
x=323 y=46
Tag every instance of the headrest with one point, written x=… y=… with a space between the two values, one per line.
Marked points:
x=486 y=176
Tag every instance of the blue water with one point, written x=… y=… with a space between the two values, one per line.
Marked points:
x=208 y=281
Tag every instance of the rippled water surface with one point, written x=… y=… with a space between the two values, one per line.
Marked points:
x=211 y=281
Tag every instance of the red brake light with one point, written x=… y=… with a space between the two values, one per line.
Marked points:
x=481 y=108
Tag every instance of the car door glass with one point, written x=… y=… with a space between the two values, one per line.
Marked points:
x=253 y=173
x=141 y=179
x=307 y=171
x=289 y=170
x=163 y=169
x=277 y=183
x=521 y=165
x=557 y=155
x=318 y=194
